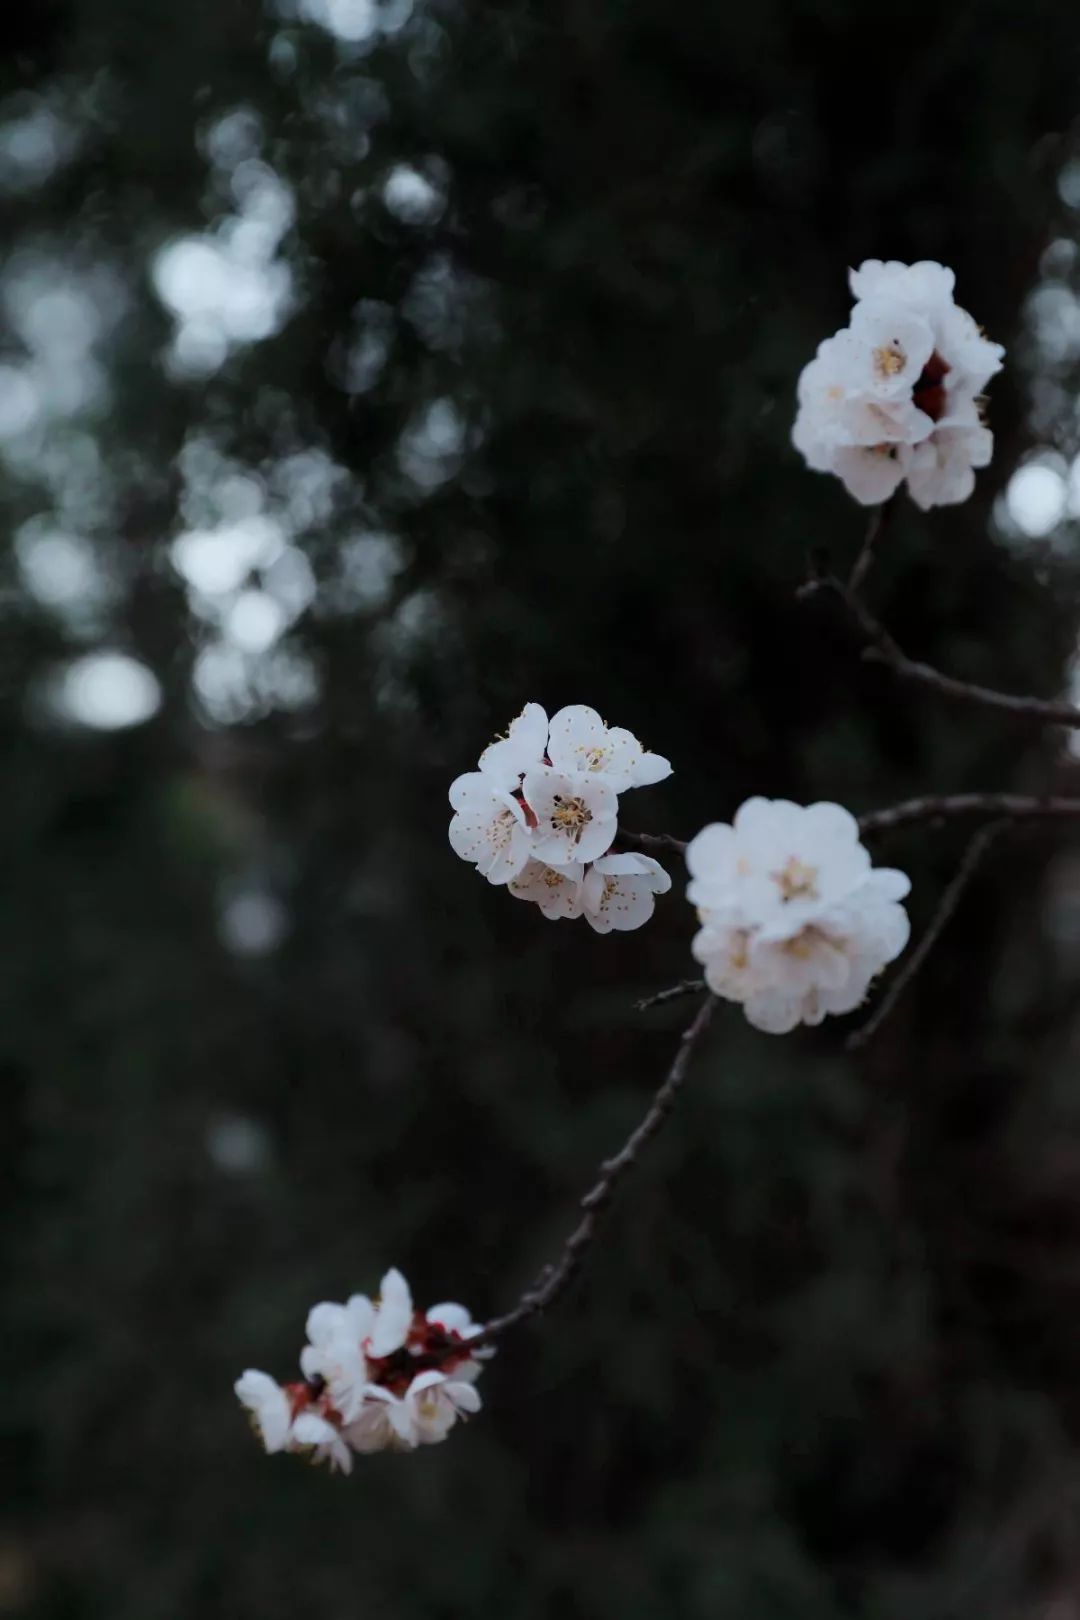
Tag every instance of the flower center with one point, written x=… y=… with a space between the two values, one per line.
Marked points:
x=890 y=359
x=553 y=879
x=594 y=758
x=796 y=881
x=570 y=816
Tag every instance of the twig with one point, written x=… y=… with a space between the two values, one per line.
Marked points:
x=555 y=1278
x=660 y=841
x=685 y=987
x=879 y=522
x=947 y=905
x=882 y=649
x=1012 y=806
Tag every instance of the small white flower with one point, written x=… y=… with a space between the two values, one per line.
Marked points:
x=896 y=394
x=620 y=891
x=378 y=1374
x=272 y=1413
x=336 y=1335
x=555 y=889
x=508 y=758
x=941 y=471
x=489 y=827
x=437 y=1403
x=575 y=815
x=795 y=921
x=423 y=1415
x=581 y=744
x=393 y=1315
x=870 y=473
x=269 y=1407
x=310 y=1431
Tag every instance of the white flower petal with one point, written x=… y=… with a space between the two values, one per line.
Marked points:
x=393 y=1315
x=269 y=1406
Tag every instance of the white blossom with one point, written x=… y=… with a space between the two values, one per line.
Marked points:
x=393 y=1316
x=575 y=815
x=335 y=1353
x=620 y=891
x=325 y=1441
x=580 y=743
x=795 y=920
x=941 y=470
x=272 y=1411
x=555 y=889
x=508 y=758
x=489 y=827
x=269 y=1406
x=897 y=394
x=543 y=807
x=423 y=1415
x=377 y=1373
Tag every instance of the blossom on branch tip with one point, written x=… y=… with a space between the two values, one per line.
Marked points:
x=377 y=1374
x=555 y=889
x=508 y=758
x=576 y=816
x=795 y=922
x=542 y=809
x=620 y=891
x=423 y=1415
x=489 y=827
x=581 y=744
x=286 y=1420
x=897 y=394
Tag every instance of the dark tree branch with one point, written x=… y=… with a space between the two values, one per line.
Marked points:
x=947 y=905
x=1009 y=806
x=879 y=522
x=555 y=1278
x=651 y=841
x=685 y=987
x=882 y=649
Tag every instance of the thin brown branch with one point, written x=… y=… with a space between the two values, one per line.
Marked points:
x=685 y=987
x=555 y=1278
x=882 y=649
x=1011 y=806
x=879 y=522
x=946 y=907
x=651 y=841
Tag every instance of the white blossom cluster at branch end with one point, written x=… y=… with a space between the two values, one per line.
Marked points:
x=378 y=1375
x=897 y=394
x=795 y=922
x=540 y=814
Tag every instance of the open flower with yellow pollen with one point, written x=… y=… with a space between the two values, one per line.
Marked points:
x=542 y=808
x=580 y=741
x=795 y=921
x=620 y=892
x=555 y=889
x=575 y=815
x=378 y=1374
x=897 y=394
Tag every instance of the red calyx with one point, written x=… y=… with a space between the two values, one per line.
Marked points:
x=929 y=391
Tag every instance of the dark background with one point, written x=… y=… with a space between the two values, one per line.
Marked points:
x=512 y=425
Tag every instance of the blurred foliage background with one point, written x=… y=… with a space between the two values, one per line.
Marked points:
x=367 y=368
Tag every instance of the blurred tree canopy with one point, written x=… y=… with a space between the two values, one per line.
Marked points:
x=368 y=368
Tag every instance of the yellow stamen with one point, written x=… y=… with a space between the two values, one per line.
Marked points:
x=889 y=359
x=796 y=881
